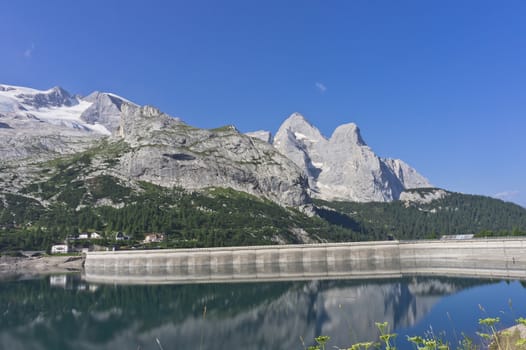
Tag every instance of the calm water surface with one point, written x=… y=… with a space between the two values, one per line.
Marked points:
x=62 y=312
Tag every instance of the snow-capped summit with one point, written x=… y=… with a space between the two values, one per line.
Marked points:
x=53 y=121
x=32 y=98
x=344 y=167
x=98 y=112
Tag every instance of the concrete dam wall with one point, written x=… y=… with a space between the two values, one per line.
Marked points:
x=486 y=258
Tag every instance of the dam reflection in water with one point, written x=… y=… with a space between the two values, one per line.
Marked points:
x=69 y=313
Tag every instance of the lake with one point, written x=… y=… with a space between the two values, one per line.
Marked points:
x=66 y=312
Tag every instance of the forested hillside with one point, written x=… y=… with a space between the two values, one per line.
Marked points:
x=65 y=197
x=216 y=217
x=453 y=214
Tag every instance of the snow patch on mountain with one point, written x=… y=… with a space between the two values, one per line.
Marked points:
x=98 y=112
x=48 y=123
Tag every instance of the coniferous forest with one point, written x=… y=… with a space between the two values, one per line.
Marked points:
x=224 y=217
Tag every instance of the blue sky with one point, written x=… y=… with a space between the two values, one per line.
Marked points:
x=439 y=84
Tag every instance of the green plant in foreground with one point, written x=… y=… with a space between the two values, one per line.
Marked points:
x=427 y=343
x=364 y=346
x=493 y=339
x=321 y=340
x=385 y=336
x=491 y=335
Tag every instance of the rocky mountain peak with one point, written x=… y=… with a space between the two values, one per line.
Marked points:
x=48 y=123
x=343 y=167
x=297 y=117
x=107 y=97
x=297 y=122
x=348 y=133
x=54 y=97
x=59 y=91
x=105 y=109
x=167 y=152
x=95 y=96
x=297 y=130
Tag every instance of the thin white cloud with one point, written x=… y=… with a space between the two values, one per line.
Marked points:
x=506 y=195
x=28 y=53
x=321 y=87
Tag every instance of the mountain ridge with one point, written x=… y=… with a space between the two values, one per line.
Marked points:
x=343 y=167
x=145 y=171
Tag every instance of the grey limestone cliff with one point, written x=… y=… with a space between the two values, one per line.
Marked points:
x=105 y=110
x=343 y=167
x=168 y=152
x=40 y=125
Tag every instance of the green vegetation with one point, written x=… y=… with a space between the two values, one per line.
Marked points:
x=451 y=215
x=491 y=337
x=224 y=217
x=216 y=217
x=71 y=197
x=77 y=193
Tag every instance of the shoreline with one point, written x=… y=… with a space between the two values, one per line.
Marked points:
x=40 y=265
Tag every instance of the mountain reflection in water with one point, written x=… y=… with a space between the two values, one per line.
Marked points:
x=66 y=313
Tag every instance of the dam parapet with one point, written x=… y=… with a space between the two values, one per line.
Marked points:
x=485 y=258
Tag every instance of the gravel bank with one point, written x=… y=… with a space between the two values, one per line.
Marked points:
x=40 y=265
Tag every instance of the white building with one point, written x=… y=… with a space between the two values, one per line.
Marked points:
x=59 y=249
x=154 y=238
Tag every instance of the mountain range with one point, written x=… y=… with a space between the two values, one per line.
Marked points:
x=45 y=124
x=343 y=167
x=102 y=162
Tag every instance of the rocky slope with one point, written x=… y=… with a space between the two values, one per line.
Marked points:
x=343 y=167
x=42 y=125
x=167 y=152
x=70 y=163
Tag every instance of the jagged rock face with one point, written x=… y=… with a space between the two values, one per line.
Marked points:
x=42 y=146
x=343 y=167
x=407 y=175
x=41 y=125
x=303 y=144
x=105 y=110
x=167 y=152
